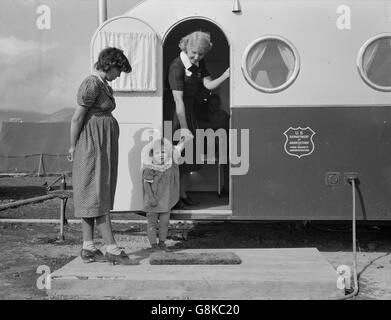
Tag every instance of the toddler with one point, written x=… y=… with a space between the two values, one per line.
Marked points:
x=161 y=188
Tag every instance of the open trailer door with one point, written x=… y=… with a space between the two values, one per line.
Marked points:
x=205 y=184
x=138 y=97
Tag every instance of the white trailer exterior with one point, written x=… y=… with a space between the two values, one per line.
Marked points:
x=327 y=45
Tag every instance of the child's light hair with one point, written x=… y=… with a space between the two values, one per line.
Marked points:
x=199 y=40
x=161 y=143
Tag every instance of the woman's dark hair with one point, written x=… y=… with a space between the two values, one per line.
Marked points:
x=112 y=58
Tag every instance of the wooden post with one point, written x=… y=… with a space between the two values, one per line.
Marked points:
x=41 y=166
x=63 y=185
x=218 y=179
x=62 y=219
x=19 y=203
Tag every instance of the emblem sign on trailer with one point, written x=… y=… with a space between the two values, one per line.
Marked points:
x=299 y=141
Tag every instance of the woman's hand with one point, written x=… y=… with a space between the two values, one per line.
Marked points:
x=213 y=84
x=186 y=135
x=71 y=153
x=153 y=202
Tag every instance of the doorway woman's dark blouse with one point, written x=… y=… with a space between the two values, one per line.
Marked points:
x=189 y=84
x=189 y=81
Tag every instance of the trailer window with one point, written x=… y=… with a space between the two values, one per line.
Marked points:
x=374 y=62
x=270 y=64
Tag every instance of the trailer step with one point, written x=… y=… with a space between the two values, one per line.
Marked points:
x=201 y=214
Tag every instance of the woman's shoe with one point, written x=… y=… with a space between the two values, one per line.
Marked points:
x=163 y=247
x=121 y=258
x=179 y=205
x=225 y=192
x=89 y=256
x=189 y=202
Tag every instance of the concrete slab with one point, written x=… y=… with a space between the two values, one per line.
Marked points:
x=299 y=273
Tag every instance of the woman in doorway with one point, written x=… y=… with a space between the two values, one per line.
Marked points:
x=186 y=76
x=94 y=152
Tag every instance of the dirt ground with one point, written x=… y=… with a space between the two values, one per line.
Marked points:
x=26 y=246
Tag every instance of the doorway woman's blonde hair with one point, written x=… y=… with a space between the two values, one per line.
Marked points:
x=198 y=39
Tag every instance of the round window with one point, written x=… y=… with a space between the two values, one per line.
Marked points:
x=374 y=62
x=270 y=64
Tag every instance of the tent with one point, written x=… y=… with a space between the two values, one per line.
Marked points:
x=32 y=147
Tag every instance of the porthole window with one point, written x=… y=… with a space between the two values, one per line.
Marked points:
x=270 y=64
x=374 y=62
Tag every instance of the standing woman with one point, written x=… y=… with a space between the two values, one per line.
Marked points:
x=94 y=152
x=186 y=75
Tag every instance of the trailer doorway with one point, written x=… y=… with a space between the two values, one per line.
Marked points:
x=203 y=185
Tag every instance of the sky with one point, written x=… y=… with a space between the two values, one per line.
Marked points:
x=44 y=50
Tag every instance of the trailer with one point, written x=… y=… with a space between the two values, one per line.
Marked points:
x=310 y=83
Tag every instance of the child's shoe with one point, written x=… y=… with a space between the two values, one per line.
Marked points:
x=189 y=201
x=89 y=256
x=179 y=205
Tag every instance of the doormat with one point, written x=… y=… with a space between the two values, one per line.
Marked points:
x=160 y=258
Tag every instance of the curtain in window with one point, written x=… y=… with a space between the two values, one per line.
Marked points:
x=253 y=59
x=369 y=55
x=288 y=57
x=141 y=50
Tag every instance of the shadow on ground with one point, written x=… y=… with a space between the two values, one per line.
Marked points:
x=325 y=237
x=19 y=192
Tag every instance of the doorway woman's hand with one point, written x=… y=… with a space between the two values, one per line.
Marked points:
x=186 y=135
